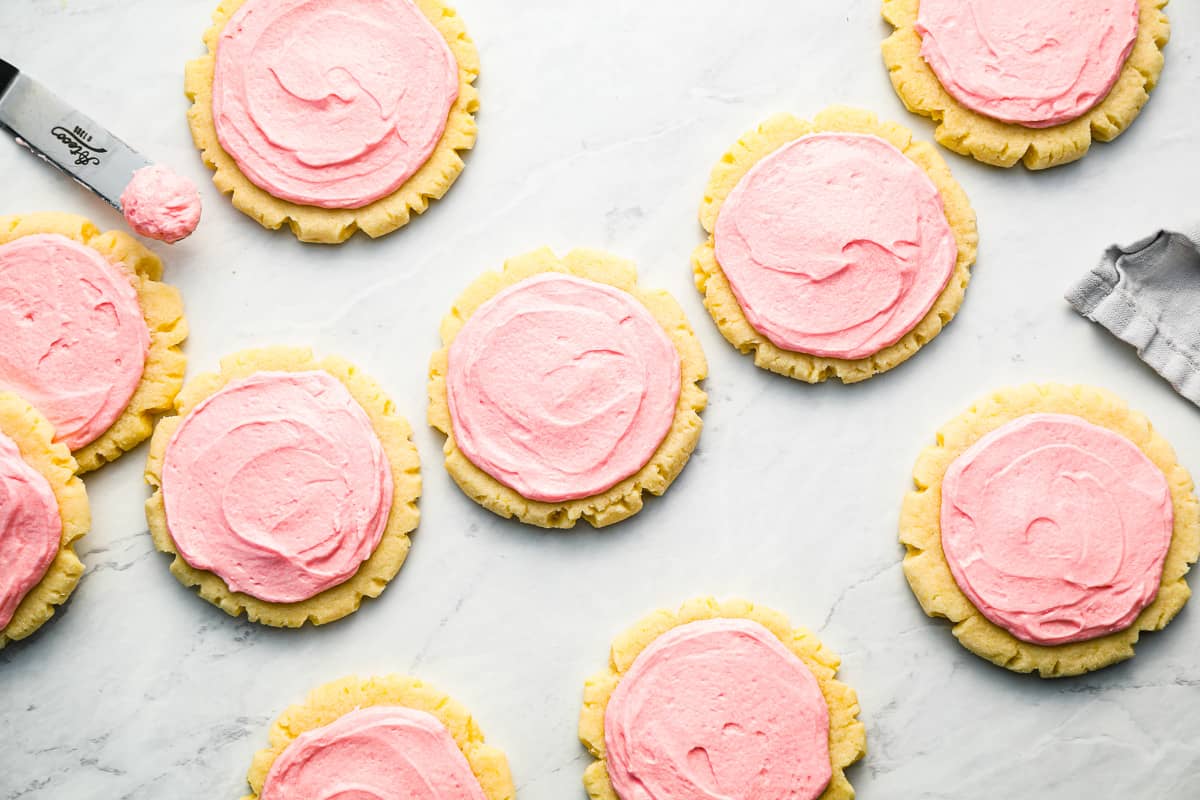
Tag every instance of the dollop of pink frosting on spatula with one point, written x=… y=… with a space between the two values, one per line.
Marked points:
x=1056 y=529
x=161 y=204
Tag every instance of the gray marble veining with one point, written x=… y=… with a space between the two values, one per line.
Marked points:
x=599 y=126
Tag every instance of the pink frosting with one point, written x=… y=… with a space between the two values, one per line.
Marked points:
x=714 y=710
x=1029 y=62
x=1056 y=529
x=835 y=245
x=278 y=484
x=331 y=103
x=30 y=528
x=74 y=338
x=561 y=387
x=374 y=753
x=161 y=204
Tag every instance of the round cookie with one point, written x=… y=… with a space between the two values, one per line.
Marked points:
x=722 y=301
x=667 y=437
x=930 y=572
x=27 y=435
x=274 y=584
x=1003 y=144
x=161 y=308
x=335 y=704
x=334 y=219
x=753 y=632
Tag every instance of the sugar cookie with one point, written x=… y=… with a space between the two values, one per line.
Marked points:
x=836 y=248
x=285 y=487
x=92 y=336
x=43 y=511
x=1087 y=75
x=391 y=735
x=565 y=391
x=1052 y=525
x=262 y=114
x=803 y=721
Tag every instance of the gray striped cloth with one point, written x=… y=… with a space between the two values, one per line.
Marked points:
x=1148 y=294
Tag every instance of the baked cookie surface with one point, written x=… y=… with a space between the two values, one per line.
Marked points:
x=343 y=594
x=333 y=701
x=846 y=735
x=1003 y=144
x=929 y=571
x=719 y=294
x=311 y=221
x=615 y=280
x=161 y=309
x=33 y=437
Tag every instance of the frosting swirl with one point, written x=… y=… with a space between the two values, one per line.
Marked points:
x=159 y=203
x=835 y=245
x=1056 y=529
x=561 y=387
x=718 y=709
x=1027 y=62
x=331 y=103
x=75 y=340
x=278 y=484
x=374 y=753
x=30 y=528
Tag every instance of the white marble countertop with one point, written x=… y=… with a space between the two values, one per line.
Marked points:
x=599 y=125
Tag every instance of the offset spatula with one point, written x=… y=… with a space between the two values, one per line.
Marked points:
x=65 y=138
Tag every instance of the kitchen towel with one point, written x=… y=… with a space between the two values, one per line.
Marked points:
x=1148 y=294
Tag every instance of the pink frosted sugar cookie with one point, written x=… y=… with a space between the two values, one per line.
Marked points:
x=1013 y=81
x=43 y=511
x=335 y=116
x=91 y=336
x=1052 y=525
x=286 y=487
x=719 y=700
x=565 y=390
x=389 y=737
x=837 y=248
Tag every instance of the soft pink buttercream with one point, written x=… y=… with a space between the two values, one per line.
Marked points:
x=561 y=387
x=1029 y=62
x=835 y=245
x=714 y=710
x=374 y=753
x=74 y=341
x=331 y=103
x=1055 y=528
x=278 y=484
x=159 y=203
x=30 y=528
